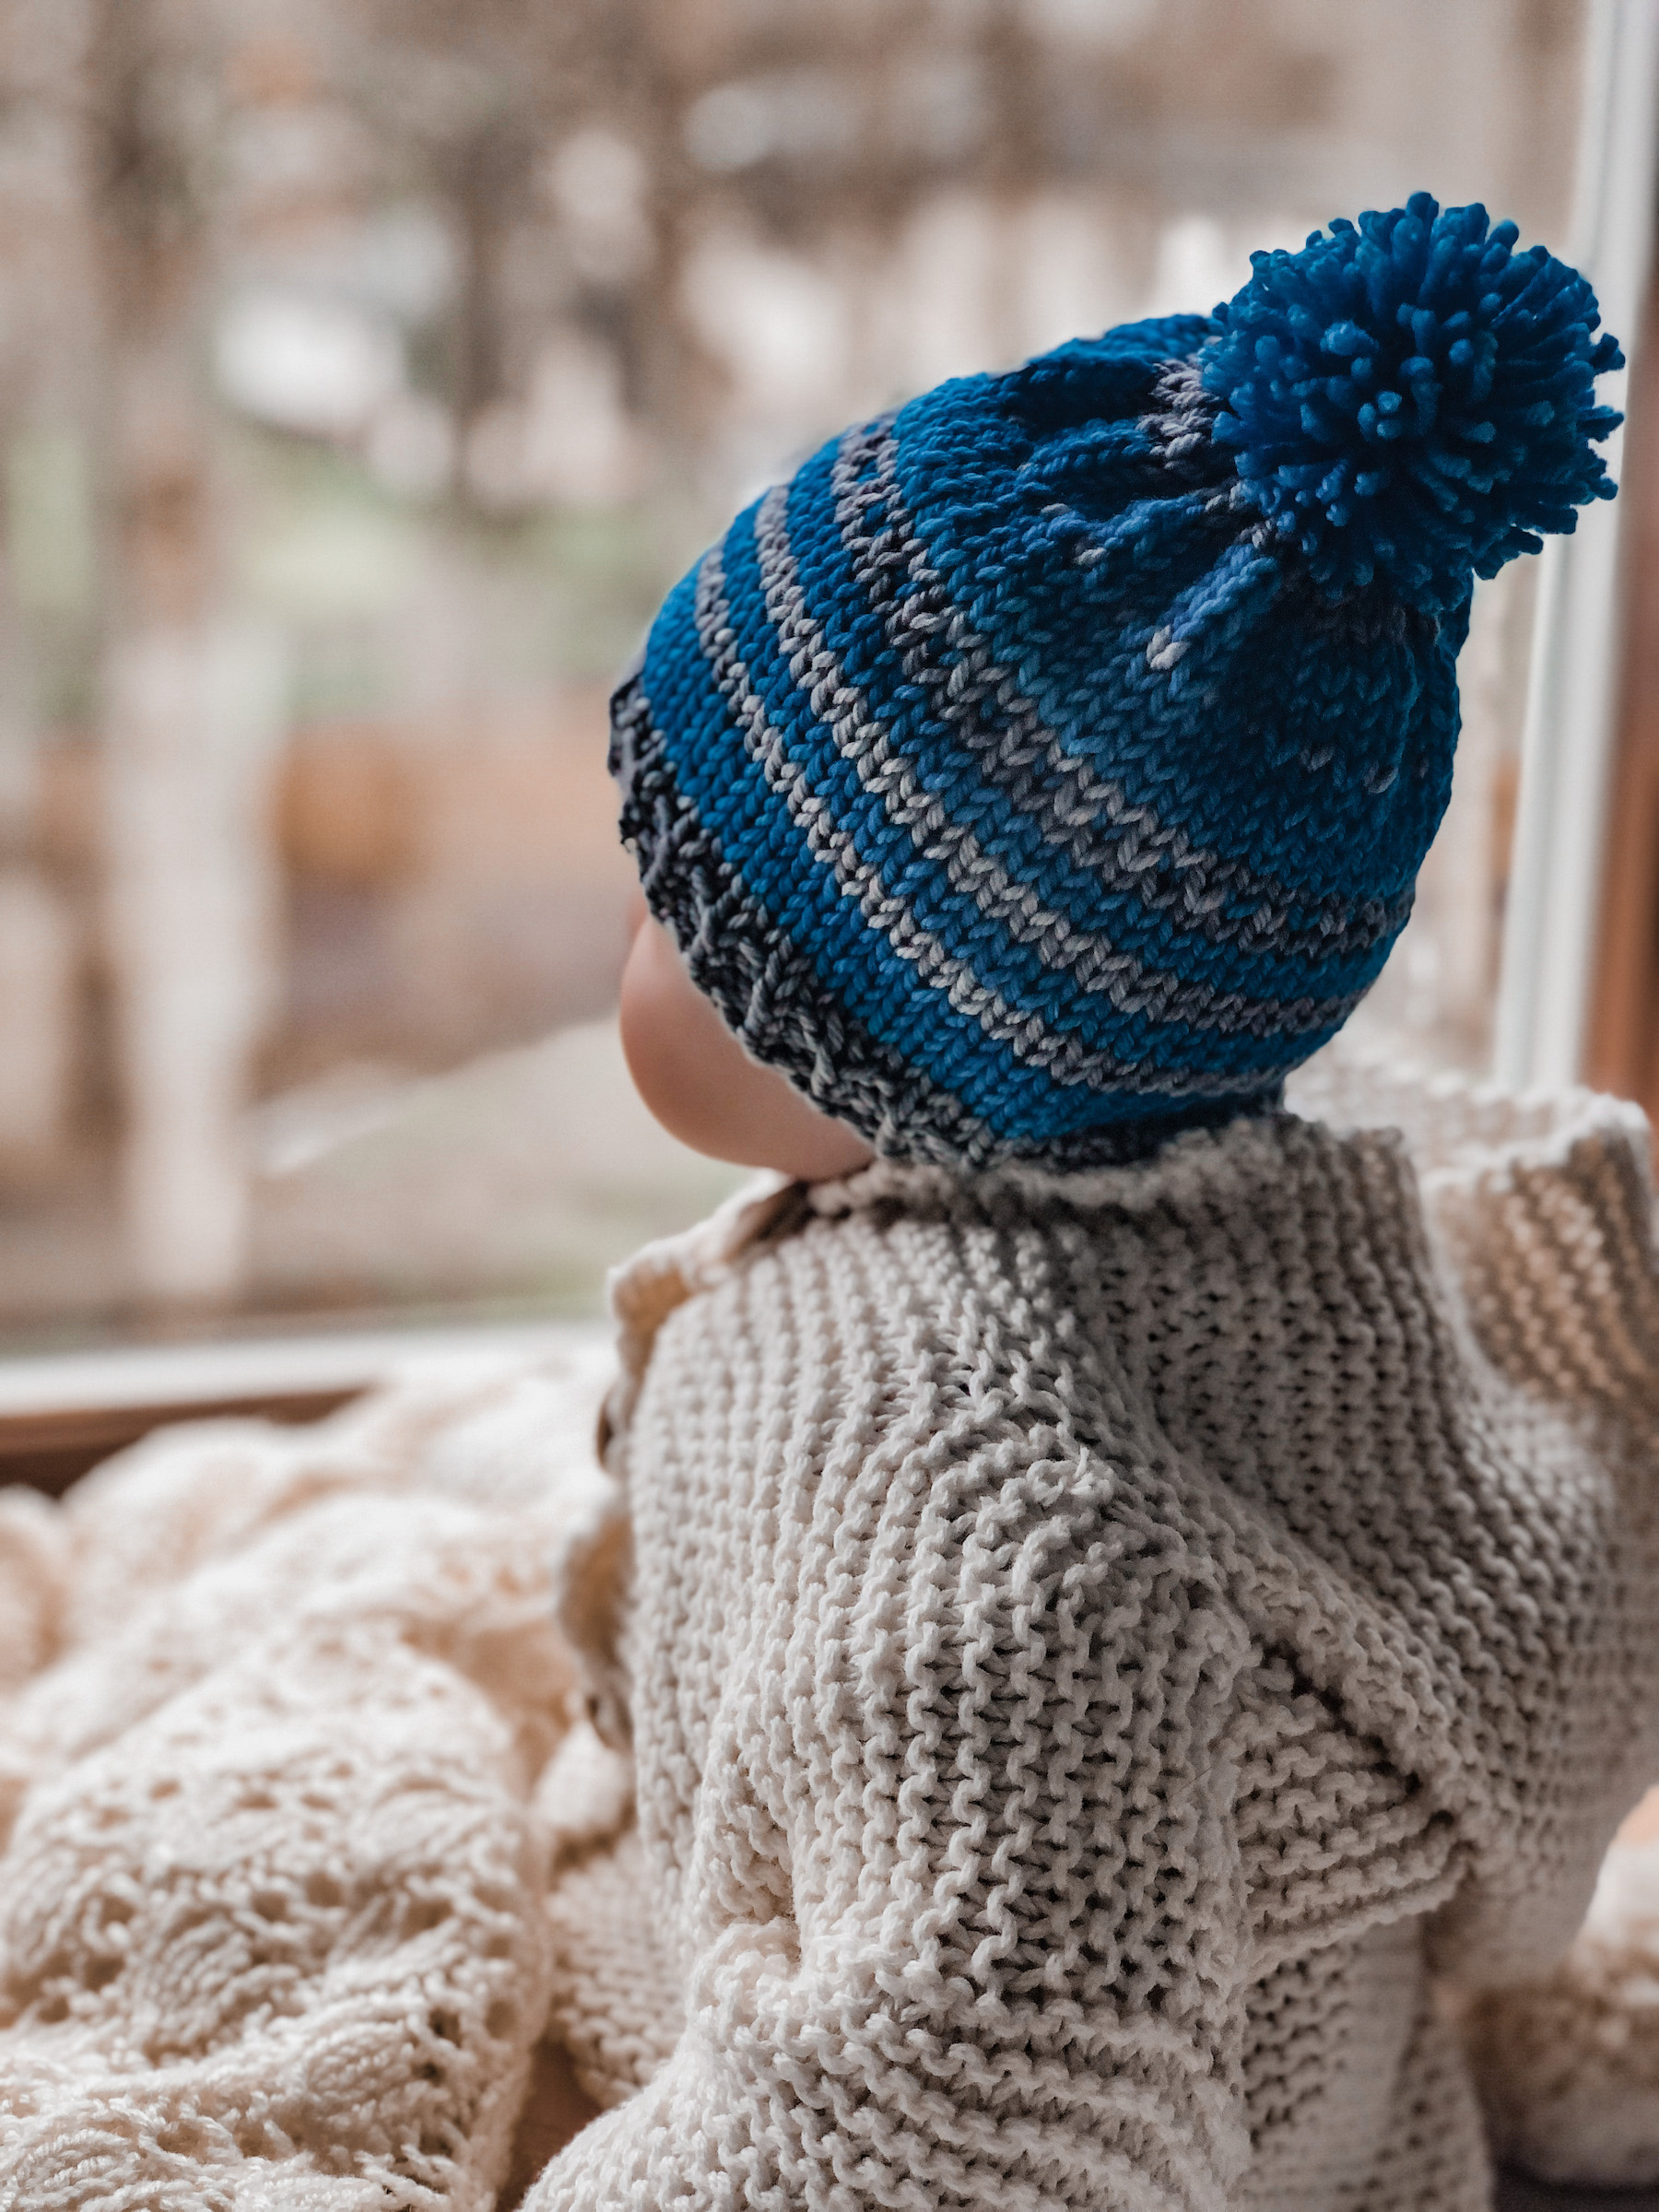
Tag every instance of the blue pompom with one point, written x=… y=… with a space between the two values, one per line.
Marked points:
x=1411 y=397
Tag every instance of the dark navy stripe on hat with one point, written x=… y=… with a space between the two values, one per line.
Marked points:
x=773 y=998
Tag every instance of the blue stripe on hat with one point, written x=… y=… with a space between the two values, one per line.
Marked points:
x=754 y=828
x=1012 y=833
x=1020 y=972
x=1148 y=1052
x=1062 y=626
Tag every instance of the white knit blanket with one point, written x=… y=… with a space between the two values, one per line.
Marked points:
x=280 y=1804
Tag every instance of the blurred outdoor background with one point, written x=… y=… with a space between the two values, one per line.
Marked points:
x=368 y=369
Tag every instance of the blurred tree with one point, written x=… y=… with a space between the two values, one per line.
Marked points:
x=693 y=234
x=151 y=113
x=188 y=702
x=470 y=105
x=461 y=96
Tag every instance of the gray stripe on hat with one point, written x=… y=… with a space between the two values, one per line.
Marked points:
x=770 y=993
x=895 y=777
x=767 y=992
x=1192 y=883
x=1063 y=1058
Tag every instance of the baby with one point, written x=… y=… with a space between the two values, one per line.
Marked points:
x=1138 y=1596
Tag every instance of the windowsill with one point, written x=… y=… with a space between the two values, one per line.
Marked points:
x=60 y=1414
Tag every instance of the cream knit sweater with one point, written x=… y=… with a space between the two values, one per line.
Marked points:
x=1106 y=1654
x=298 y=1860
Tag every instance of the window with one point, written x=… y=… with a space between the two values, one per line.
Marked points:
x=367 y=374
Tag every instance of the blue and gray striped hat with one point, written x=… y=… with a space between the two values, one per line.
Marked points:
x=1049 y=763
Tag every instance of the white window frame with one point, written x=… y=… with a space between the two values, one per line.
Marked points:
x=1553 y=913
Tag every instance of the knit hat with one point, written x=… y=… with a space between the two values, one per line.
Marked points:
x=1049 y=763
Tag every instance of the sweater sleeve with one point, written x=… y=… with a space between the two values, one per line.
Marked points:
x=961 y=1910
x=1552 y=1245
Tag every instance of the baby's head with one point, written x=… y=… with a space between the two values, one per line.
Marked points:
x=1048 y=765
x=701 y=1085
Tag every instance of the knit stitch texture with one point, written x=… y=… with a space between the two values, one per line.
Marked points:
x=1104 y=1648
x=299 y=1865
x=282 y=1779
x=1049 y=764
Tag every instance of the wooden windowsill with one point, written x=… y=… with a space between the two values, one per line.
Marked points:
x=61 y=1414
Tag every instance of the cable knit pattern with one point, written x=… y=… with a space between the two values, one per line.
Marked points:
x=1100 y=1642
x=272 y=1891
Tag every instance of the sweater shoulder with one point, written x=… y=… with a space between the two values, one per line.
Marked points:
x=1540 y=1211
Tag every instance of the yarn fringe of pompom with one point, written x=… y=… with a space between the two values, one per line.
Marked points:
x=1410 y=397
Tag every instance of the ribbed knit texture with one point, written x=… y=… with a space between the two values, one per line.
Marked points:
x=1099 y=1643
x=1049 y=764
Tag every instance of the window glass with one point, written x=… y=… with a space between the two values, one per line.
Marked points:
x=367 y=372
